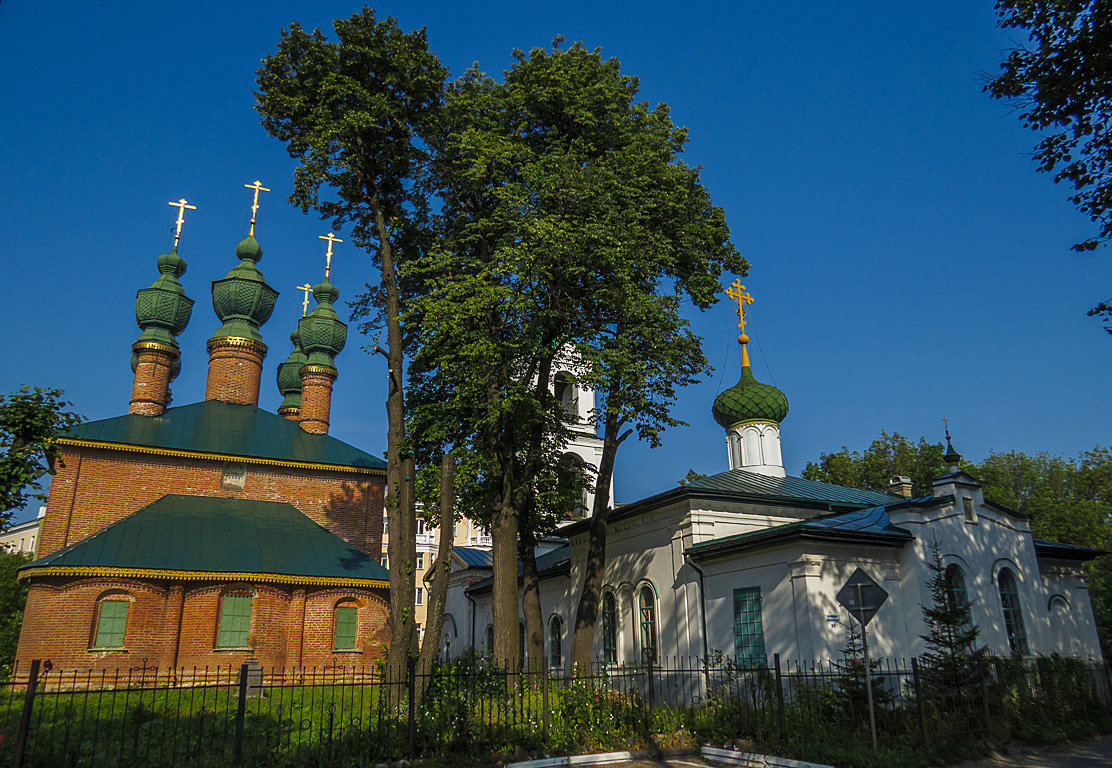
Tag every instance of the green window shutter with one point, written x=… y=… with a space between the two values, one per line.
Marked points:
x=749 y=644
x=346 y=622
x=235 y=621
x=111 y=624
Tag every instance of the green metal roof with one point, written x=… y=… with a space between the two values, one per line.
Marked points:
x=233 y=430
x=199 y=533
x=865 y=526
x=753 y=484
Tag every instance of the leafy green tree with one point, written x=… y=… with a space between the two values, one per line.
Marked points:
x=1061 y=81
x=13 y=596
x=30 y=419
x=567 y=223
x=951 y=662
x=888 y=455
x=356 y=115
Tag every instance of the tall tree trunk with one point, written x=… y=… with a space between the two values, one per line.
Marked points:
x=441 y=571
x=531 y=601
x=504 y=535
x=594 y=567
x=400 y=509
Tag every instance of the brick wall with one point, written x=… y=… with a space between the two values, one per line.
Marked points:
x=98 y=487
x=60 y=625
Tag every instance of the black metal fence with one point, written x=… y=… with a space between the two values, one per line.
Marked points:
x=472 y=708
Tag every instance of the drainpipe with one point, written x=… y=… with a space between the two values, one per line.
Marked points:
x=702 y=601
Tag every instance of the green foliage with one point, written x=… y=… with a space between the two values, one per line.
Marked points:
x=1061 y=82
x=29 y=421
x=354 y=113
x=568 y=225
x=691 y=477
x=850 y=681
x=888 y=455
x=951 y=665
x=13 y=596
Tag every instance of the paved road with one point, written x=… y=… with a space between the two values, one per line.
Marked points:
x=1090 y=754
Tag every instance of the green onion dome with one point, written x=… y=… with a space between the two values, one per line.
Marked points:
x=289 y=378
x=749 y=400
x=242 y=300
x=163 y=310
x=322 y=332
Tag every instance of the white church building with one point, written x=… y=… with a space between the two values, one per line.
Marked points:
x=749 y=561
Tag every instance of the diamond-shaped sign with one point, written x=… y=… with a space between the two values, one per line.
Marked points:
x=862 y=596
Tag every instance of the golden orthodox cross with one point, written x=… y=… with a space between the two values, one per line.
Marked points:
x=181 y=205
x=331 y=238
x=946 y=422
x=735 y=293
x=305 y=304
x=258 y=187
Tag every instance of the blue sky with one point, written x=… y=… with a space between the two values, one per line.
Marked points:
x=908 y=263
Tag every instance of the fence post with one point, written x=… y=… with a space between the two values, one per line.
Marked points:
x=649 y=662
x=411 y=685
x=25 y=717
x=920 y=704
x=781 y=727
x=241 y=709
x=544 y=700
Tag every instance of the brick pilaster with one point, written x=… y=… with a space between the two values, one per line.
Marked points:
x=150 y=391
x=316 y=398
x=296 y=629
x=235 y=368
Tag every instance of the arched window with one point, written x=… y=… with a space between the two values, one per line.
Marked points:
x=609 y=629
x=567 y=395
x=490 y=639
x=1013 y=615
x=345 y=626
x=111 y=620
x=647 y=603
x=953 y=579
x=555 y=642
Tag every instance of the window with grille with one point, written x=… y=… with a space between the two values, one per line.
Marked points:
x=555 y=643
x=346 y=627
x=749 y=643
x=235 y=621
x=1013 y=615
x=609 y=629
x=647 y=603
x=111 y=624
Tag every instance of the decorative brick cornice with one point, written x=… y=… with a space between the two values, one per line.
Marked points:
x=78 y=443
x=173 y=575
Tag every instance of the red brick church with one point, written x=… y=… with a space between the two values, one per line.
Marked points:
x=216 y=532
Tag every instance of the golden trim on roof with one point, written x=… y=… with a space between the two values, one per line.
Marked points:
x=160 y=573
x=130 y=448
